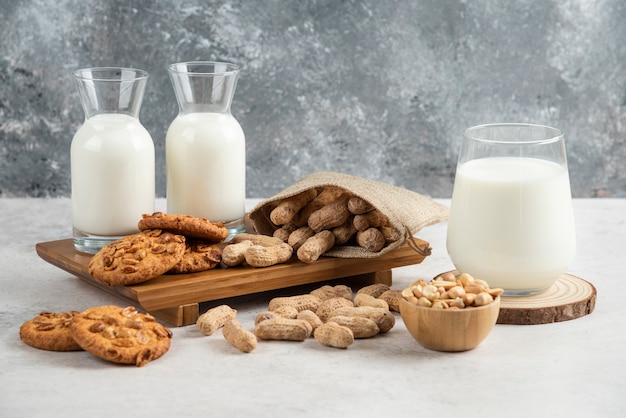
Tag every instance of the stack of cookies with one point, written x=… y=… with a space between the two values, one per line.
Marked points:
x=119 y=335
x=167 y=243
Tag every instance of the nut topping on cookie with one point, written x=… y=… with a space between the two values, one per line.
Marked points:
x=187 y=225
x=50 y=331
x=121 y=335
x=137 y=258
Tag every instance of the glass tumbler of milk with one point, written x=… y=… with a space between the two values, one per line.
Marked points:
x=112 y=158
x=205 y=148
x=511 y=221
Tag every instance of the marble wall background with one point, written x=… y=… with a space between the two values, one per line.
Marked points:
x=380 y=89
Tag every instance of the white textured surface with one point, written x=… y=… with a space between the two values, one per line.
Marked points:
x=572 y=368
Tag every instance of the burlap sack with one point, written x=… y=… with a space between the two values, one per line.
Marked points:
x=407 y=211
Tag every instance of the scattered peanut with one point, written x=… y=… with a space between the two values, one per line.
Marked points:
x=334 y=335
x=374 y=290
x=262 y=256
x=234 y=254
x=256 y=250
x=392 y=297
x=238 y=336
x=264 y=316
x=286 y=311
x=310 y=317
x=299 y=302
x=328 y=292
x=283 y=329
x=215 y=318
x=382 y=317
x=257 y=239
x=329 y=314
x=448 y=291
x=363 y=299
x=328 y=306
x=360 y=327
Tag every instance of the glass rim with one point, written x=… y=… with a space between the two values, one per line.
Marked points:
x=552 y=134
x=185 y=68
x=138 y=73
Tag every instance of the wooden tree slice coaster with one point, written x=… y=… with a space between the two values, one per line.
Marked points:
x=569 y=298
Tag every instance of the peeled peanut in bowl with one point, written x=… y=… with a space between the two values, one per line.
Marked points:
x=449 y=328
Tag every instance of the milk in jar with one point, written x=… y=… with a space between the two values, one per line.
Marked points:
x=112 y=174
x=206 y=166
x=511 y=221
x=112 y=158
x=205 y=150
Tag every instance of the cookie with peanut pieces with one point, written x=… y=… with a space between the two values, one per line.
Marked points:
x=198 y=256
x=137 y=258
x=50 y=331
x=121 y=335
x=187 y=225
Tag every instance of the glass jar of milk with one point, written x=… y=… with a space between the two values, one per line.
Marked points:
x=511 y=221
x=112 y=158
x=205 y=147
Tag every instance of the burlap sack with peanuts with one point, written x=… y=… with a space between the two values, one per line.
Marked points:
x=408 y=212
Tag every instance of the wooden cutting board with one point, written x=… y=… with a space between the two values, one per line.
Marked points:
x=175 y=298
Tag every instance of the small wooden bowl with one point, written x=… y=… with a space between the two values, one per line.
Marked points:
x=447 y=329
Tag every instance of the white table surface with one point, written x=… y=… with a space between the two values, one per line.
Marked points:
x=575 y=368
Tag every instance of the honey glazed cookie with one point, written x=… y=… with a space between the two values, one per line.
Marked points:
x=137 y=258
x=187 y=225
x=50 y=331
x=121 y=335
x=198 y=256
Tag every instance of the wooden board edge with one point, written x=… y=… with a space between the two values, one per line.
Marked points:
x=550 y=314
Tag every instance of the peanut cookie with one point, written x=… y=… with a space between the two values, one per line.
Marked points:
x=121 y=335
x=189 y=226
x=198 y=256
x=50 y=331
x=137 y=258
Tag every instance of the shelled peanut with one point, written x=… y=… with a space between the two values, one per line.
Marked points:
x=448 y=291
x=313 y=222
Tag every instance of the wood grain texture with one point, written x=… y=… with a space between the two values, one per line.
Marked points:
x=569 y=298
x=174 y=298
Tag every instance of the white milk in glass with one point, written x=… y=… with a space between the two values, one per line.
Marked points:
x=511 y=221
x=112 y=174
x=206 y=166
